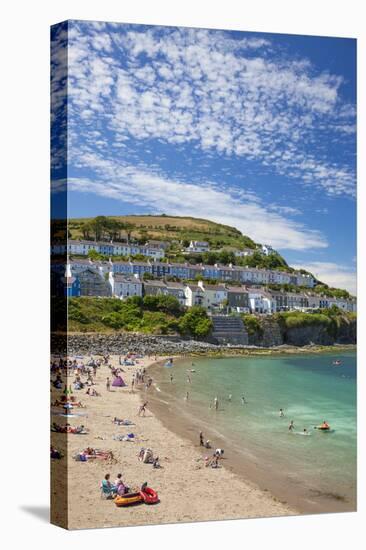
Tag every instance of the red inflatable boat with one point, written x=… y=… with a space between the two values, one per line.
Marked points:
x=149 y=495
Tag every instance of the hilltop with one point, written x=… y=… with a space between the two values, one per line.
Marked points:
x=164 y=228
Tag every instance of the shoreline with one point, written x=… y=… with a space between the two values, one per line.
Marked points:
x=166 y=345
x=249 y=471
x=188 y=491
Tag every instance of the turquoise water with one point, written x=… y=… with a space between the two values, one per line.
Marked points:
x=308 y=388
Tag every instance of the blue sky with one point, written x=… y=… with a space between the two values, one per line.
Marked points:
x=249 y=129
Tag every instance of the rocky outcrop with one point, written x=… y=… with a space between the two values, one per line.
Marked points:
x=272 y=334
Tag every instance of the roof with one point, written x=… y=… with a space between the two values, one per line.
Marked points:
x=172 y=284
x=155 y=283
x=214 y=287
x=194 y=288
x=123 y=279
x=237 y=289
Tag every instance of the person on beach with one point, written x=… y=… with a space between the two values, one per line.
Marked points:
x=132 y=383
x=188 y=379
x=108 y=384
x=120 y=486
x=108 y=486
x=216 y=403
x=243 y=401
x=156 y=463
x=187 y=396
x=142 y=409
x=291 y=426
x=202 y=443
x=171 y=379
x=282 y=414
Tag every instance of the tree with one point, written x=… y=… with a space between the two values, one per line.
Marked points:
x=128 y=227
x=195 y=323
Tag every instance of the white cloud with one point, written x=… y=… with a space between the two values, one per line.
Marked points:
x=333 y=274
x=205 y=88
x=227 y=205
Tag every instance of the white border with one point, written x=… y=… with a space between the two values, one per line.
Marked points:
x=25 y=209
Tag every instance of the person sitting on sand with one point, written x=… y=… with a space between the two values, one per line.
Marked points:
x=156 y=463
x=208 y=444
x=108 y=487
x=215 y=461
x=121 y=487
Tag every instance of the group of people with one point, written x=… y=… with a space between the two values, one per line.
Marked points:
x=212 y=461
x=147 y=456
x=291 y=427
x=113 y=489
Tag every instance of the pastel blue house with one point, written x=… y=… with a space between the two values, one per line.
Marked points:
x=72 y=285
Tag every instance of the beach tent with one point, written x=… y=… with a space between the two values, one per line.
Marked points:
x=118 y=381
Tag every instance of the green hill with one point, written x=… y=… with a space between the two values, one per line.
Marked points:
x=177 y=232
x=164 y=228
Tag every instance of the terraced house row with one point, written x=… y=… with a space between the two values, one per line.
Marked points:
x=82 y=248
x=223 y=273
x=86 y=278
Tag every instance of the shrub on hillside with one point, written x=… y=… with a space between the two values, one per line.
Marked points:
x=252 y=325
x=195 y=323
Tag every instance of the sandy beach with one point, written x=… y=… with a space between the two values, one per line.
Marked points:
x=188 y=490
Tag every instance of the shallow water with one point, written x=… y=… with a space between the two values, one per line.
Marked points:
x=309 y=389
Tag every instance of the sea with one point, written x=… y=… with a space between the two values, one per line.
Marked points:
x=311 y=470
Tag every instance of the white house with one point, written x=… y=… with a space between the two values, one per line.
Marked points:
x=198 y=246
x=266 y=249
x=214 y=296
x=244 y=253
x=304 y=279
x=194 y=295
x=82 y=248
x=124 y=287
x=261 y=301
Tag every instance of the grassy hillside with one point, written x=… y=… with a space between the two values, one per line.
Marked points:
x=165 y=228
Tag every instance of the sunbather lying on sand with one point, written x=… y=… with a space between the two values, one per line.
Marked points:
x=122 y=422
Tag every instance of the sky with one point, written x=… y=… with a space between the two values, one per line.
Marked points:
x=253 y=130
